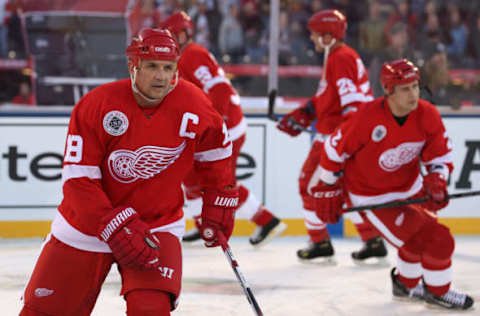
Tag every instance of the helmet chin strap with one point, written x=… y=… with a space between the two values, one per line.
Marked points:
x=326 y=49
x=148 y=99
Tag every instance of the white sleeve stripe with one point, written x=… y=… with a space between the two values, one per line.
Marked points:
x=79 y=171
x=213 y=154
x=349 y=109
x=354 y=97
x=447 y=158
x=327 y=176
x=214 y=81
x=238 y=130
x=332 y=153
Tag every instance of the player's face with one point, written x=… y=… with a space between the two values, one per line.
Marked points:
x=154 y=77
x=404 y=98
x=317 y=40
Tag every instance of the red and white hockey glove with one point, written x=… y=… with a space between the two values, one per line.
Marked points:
x=329 y=201
x=435 y=187
x=217 y=214
x=130 y=240
x=301 y=117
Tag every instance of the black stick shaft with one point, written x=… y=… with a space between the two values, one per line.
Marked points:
x=272 y=116
x=241 y=279
x=406 y=202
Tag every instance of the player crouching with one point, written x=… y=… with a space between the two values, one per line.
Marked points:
x=380 y=152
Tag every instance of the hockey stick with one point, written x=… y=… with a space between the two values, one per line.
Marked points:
x=236 y=269
x=406 y=202
x=272 y=95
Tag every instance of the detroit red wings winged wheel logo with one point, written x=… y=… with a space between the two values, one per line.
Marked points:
x=127 y=166
x=392 y=159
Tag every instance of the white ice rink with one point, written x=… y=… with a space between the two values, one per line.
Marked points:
x=282 y=285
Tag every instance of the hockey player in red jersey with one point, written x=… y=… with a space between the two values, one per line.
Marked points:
x=381 y=151
x=343 y=87
x=129 y=146
x=198 y=66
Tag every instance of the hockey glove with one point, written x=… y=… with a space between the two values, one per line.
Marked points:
x=435 y=186
x=217 y=214
x=328 y=201
x=130 y=240
x=292 y=122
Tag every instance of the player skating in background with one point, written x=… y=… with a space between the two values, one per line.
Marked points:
x=342 y=89
x=129 y=146
x=198 y=66
x=380 y=152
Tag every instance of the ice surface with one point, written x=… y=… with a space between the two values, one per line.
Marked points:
x=281 y=284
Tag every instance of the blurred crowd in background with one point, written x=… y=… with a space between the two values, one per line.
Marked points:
x=441 y=36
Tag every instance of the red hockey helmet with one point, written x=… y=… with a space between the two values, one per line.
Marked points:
x=153 y=44
x=398 y=72
x=329 y=21
x=177 y=22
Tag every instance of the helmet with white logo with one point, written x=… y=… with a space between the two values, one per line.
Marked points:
x=329 y=21
x=153 y=44
x=177 y=22
x=398 y=72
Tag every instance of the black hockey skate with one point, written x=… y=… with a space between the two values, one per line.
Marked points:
x=450 y=300
x=401 y=292
x=263 y=234
x=320 y=250
x=191 y=235
x=372 y=248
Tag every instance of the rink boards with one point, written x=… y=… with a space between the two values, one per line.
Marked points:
x=31 y=150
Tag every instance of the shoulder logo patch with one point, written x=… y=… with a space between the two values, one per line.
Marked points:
x=115 y=123
x=379 y=133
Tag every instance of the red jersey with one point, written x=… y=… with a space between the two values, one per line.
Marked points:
x=197 y=65
x=342 y=89
x=380 y=158
x=117 y=155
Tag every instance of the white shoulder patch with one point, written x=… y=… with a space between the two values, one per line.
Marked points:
x=379 y=133
x=115 y=123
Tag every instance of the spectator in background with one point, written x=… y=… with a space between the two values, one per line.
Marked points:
x=398 y=48
x=316 y=5
x=431 y=31
x=402 y=14
x=24 y=95
x=284 y=43
x=300 y=46
x=254 y=30
x=435 y=74
x=202 y=28
x=372 y=32
x=3 y=28
x=474 y=41
x=214 y=17
x=15 y=39
x=231 y=38
x=458 y=34
x=144 y=14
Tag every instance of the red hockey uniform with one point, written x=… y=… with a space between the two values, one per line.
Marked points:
x=197 y=65
x=343 y=87
x=381 y=158
x=115 y=148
